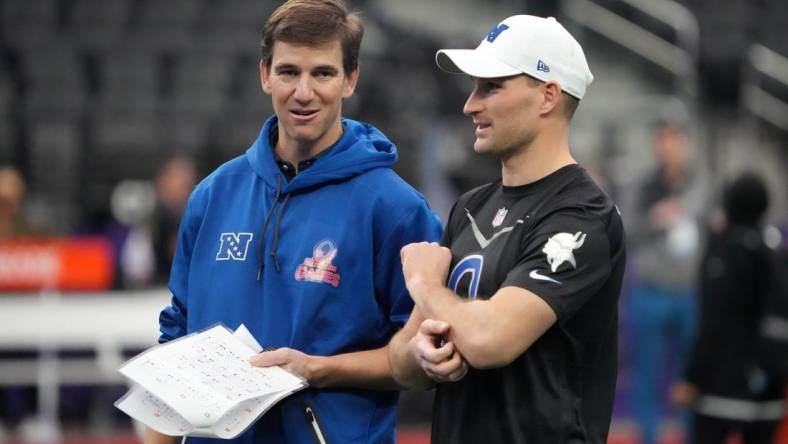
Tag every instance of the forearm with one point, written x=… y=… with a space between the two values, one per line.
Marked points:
x=154 y=437
x=405 y=369
x=407 y=372
x=488 y=333
x=472 y=329
x=367 y=369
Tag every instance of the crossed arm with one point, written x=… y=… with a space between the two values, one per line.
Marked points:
x=485 y=333
x=419 y=356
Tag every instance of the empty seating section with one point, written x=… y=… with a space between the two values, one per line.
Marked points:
x=55 y=82
x=98 y=26
x=98 y=90
x=128 y=80
x=26 y=24
x=94 y=91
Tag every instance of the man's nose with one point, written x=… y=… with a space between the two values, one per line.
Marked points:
x=304 y=91
x=473 y=104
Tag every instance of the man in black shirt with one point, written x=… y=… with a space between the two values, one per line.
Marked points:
x=517 y=319
x=732 y=382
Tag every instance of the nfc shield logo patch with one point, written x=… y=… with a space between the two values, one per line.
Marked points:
x=233 y=246
x=495 y=32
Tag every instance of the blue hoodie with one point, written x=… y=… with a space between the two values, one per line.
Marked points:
x=312 y=264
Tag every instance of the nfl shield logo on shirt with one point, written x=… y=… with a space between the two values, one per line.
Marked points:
x=499 y=217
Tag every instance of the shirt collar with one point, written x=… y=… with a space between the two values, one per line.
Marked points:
x=288 y=169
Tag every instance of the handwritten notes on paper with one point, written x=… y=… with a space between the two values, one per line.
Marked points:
x=203 y=385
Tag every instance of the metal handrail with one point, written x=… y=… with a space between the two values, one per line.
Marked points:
x=678 y=16
x=759 y=101
x=679 y=59
x=769 y=62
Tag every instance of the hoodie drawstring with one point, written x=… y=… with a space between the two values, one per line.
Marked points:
x=276 y=231
x=277 y=223
x=265 y=227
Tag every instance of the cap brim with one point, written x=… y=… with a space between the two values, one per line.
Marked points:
x=473 y=62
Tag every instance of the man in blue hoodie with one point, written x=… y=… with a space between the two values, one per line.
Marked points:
x=299 y=239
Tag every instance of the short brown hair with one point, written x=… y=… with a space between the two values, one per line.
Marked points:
x=312 y=23
x=570 y=103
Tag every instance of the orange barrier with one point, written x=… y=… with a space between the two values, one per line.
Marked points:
x=30 y=264
x=782 y=431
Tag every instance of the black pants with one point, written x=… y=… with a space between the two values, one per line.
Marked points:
x=708 y=430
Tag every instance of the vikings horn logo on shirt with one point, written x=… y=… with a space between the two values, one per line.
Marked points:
x=318 y=268
x=559 y=249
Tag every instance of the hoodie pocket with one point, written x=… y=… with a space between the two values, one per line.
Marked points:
x=313 y=422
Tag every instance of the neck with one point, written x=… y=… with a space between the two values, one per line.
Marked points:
x=674 y=174
x=296 y=151
x=547 y=153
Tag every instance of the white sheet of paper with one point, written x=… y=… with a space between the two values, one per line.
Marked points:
x=246 y=337
x=203 y=376
x=141 y=405
x=242 y=415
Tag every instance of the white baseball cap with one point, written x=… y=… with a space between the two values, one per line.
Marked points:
x=537 y=46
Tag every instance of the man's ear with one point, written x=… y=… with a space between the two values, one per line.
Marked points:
x=265 y=77
x=350 y=83
x=551 y=96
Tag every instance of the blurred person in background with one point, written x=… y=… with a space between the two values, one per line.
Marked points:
x=730 y=380
x=16 y=403
x=299 y=240
x=174 y=183
x=12 y=193
x=525 y=300
x=663 y=303
x=132 y=204
x=124 y=219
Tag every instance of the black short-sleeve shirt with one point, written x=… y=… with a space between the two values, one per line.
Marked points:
x=562 y=239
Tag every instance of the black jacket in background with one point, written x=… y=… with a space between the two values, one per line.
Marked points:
x=736 y=277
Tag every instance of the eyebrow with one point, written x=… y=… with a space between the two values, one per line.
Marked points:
x=324 y=68
x=284 y=66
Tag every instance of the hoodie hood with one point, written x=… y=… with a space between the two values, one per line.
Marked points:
x=361 y=147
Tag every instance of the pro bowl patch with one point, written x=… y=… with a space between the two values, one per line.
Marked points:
x=319 y=268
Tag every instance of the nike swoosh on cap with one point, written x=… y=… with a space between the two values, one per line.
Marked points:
x=534 y=274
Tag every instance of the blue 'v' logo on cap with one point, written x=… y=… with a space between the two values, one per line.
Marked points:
x=495 y=32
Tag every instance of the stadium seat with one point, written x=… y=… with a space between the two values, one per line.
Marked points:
x=27 y=24
x=201 y=82
x=165 y=25
x=54 y=79
x=129 y=80
x=775 y=24
x=98 y=27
